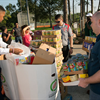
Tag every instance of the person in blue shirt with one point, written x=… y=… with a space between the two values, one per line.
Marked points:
x=94 y=62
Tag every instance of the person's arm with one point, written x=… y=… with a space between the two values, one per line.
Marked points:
x=12 y=32
x=88 y=26
x=6 y=38
x=70 y=35
x=23 y=31
x=91 y=80
x=3 y=44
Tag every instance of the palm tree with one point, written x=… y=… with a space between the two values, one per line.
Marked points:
x=91 y=6
x=65 y=11
x=99 y=6
x=87 y=6
x=73 y=10
x=69 y=12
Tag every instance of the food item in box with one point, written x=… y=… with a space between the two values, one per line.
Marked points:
x=72 y=66
x=59 y=64
x=43 y=39
x=74 y=58
x=94 y=39
x=86 y=37
x=45 y=32
x=85 y=57
x=47 y=39
x=48 y=33
x=54 y=32
x=51 y=32
x=55 y=45
x=79 y=55
x=73 y=78
x=79 y=65
x=66 y=67
x=50 y=39
x=54 y=39
x=66 y=79
x=85 y=64
x=83 y=75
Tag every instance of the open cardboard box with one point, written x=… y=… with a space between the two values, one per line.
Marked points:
x=76 y=72
x=45 y=55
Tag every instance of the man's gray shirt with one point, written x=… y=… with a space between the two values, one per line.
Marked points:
x=66 y=32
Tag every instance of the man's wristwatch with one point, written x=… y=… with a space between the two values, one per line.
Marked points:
x=71 y=47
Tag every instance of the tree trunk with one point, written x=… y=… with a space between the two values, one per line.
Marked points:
x=50 y=15
x=69 y=12
x=99 y=6
x=50 y=20
x=87 y=6
x=65 y=11
x=92 y=6
x=73 y=11
x=35 y=15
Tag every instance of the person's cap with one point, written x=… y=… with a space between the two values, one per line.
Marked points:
x=89 y=15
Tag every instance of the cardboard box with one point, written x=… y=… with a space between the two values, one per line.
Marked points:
x=45 y=55
x=87 y=45
x=76 y=72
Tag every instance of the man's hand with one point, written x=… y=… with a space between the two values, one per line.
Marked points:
x=16 y=51
x=82 y=83
x=71 y=51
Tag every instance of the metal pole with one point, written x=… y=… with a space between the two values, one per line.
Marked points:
x=28 y=18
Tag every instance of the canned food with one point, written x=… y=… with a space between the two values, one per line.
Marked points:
x=51 y=39
x=72 y=66
x=66 y=67
x=54 y=39
x=47 y=39
x=79 y=65
x=44 y=40
x=45 y=33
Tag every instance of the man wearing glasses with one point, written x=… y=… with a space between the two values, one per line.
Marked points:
x=67 y=35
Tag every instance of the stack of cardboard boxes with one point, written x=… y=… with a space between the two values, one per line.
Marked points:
x=53 y=38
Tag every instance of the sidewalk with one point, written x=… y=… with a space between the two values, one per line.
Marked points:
x=78 y=93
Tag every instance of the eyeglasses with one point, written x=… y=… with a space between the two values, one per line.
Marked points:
x=28 y=29
x=57 y=21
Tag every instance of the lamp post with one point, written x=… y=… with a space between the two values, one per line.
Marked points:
x=28 y=18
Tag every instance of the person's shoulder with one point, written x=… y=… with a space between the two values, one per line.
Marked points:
x=54 y=26
x=67 y=25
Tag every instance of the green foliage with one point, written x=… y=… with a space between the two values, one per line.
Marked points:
x=6 y=17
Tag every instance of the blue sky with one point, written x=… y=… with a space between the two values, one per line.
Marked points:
x=4 y=3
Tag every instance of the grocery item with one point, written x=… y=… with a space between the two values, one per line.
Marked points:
x=50 y=39
x=54 y=39
x=66 y=79
x=59 y=64
x=79 y=65
x=82 y=75
x=47 y=39
x=43 y=39
x=72 y=66
x=73 y=78
x=85 y=64
x=66 y=67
